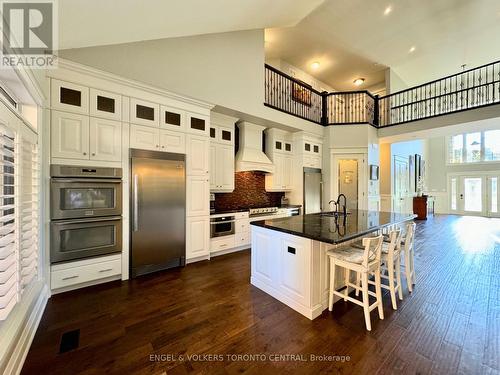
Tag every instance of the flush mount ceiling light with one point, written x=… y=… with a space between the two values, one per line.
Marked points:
x=412 y=49
x=387 y=10
x=359 y=81
x=315 y=65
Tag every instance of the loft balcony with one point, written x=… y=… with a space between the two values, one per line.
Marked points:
x=470 y=89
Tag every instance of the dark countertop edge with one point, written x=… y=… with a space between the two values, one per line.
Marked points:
x=247 y=209
x=262 y=224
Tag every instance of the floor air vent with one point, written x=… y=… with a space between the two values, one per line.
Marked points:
x=69 y=341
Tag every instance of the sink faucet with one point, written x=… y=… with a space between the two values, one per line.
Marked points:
x=344 y=206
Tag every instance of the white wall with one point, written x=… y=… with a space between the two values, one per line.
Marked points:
x=394 y=82
x=224 y=69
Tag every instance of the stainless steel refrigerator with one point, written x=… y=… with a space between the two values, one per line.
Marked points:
x=313 y=190
x=157 y=211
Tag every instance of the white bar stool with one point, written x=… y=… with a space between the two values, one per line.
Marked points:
x=391 y=261
x=363 y=262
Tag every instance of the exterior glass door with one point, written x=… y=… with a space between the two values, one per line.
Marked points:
x=475 y=194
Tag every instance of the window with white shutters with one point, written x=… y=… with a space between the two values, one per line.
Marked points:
x=9 y=257
x=19 y=194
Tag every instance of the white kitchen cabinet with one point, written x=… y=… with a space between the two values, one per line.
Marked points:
x=105 y=104
x=197 y=237
x=172 y=118
x=213 y=167
x=222 y=243
x=144 y=113
x=70 y=97
x=69 y=135
x=197 y=155
x=172 y=141
x=144 y=137
x=221 y=168
x=67 y=275
x=197 y=124
x=105 y=140
x=197 y=196
x=279 y=149
x=281 y=179
x=293 y=273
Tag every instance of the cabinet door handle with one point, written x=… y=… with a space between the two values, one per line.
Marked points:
x=291 y=250
x=70 y=277
x=84 y=153
x=93 y=154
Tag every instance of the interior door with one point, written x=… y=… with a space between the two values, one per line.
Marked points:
x=401 y=185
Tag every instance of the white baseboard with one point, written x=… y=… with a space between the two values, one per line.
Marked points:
x=229 y=251
x=22 y=329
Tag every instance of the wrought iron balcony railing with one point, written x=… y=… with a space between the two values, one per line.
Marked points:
x=470 y=89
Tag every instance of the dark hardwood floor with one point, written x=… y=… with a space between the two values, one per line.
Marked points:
x=450 y=323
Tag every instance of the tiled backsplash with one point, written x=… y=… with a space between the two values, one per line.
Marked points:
x=249 y=191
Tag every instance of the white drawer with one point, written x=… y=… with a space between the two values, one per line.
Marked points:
x=241 y=215
x=222 y=243
x=242 y=239
x=242 y=226
x=76 y=275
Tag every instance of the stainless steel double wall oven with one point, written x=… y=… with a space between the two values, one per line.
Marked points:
x=86 y=212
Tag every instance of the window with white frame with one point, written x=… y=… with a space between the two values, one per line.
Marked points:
x=474 y=147
x=19 y=194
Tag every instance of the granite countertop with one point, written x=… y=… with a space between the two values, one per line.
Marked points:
x=218 y=212
x=334 y=230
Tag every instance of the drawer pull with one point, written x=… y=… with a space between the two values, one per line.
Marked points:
x=70 y=277
x=291 y=250
x=106 y=270
x=223 y=245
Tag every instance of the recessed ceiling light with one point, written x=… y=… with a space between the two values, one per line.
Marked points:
x=412 y=49
x=359 y=81
x=315 y=65
x=387 y=10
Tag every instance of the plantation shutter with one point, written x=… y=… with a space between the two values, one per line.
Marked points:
x=9 y=258
x=28 y=210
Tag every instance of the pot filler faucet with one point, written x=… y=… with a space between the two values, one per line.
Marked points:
x=338 y=205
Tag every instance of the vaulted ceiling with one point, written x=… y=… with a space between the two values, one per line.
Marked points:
x=85 y=23
x=420 y=40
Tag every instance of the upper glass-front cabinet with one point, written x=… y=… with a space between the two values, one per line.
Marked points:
x=69 y=97
x=143 y=112
x=172 y=118
x=198 y=124
x=105 y=104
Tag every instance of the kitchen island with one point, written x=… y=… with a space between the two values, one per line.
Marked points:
x=289 y=259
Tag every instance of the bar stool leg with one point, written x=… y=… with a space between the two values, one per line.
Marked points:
x=398 y=277
x=378 y=292
x=357 y=283
x=412 y=259
x=366 y=302
x=332 y=284
x=409 y=280
x=392 y=287
x=347 y=276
